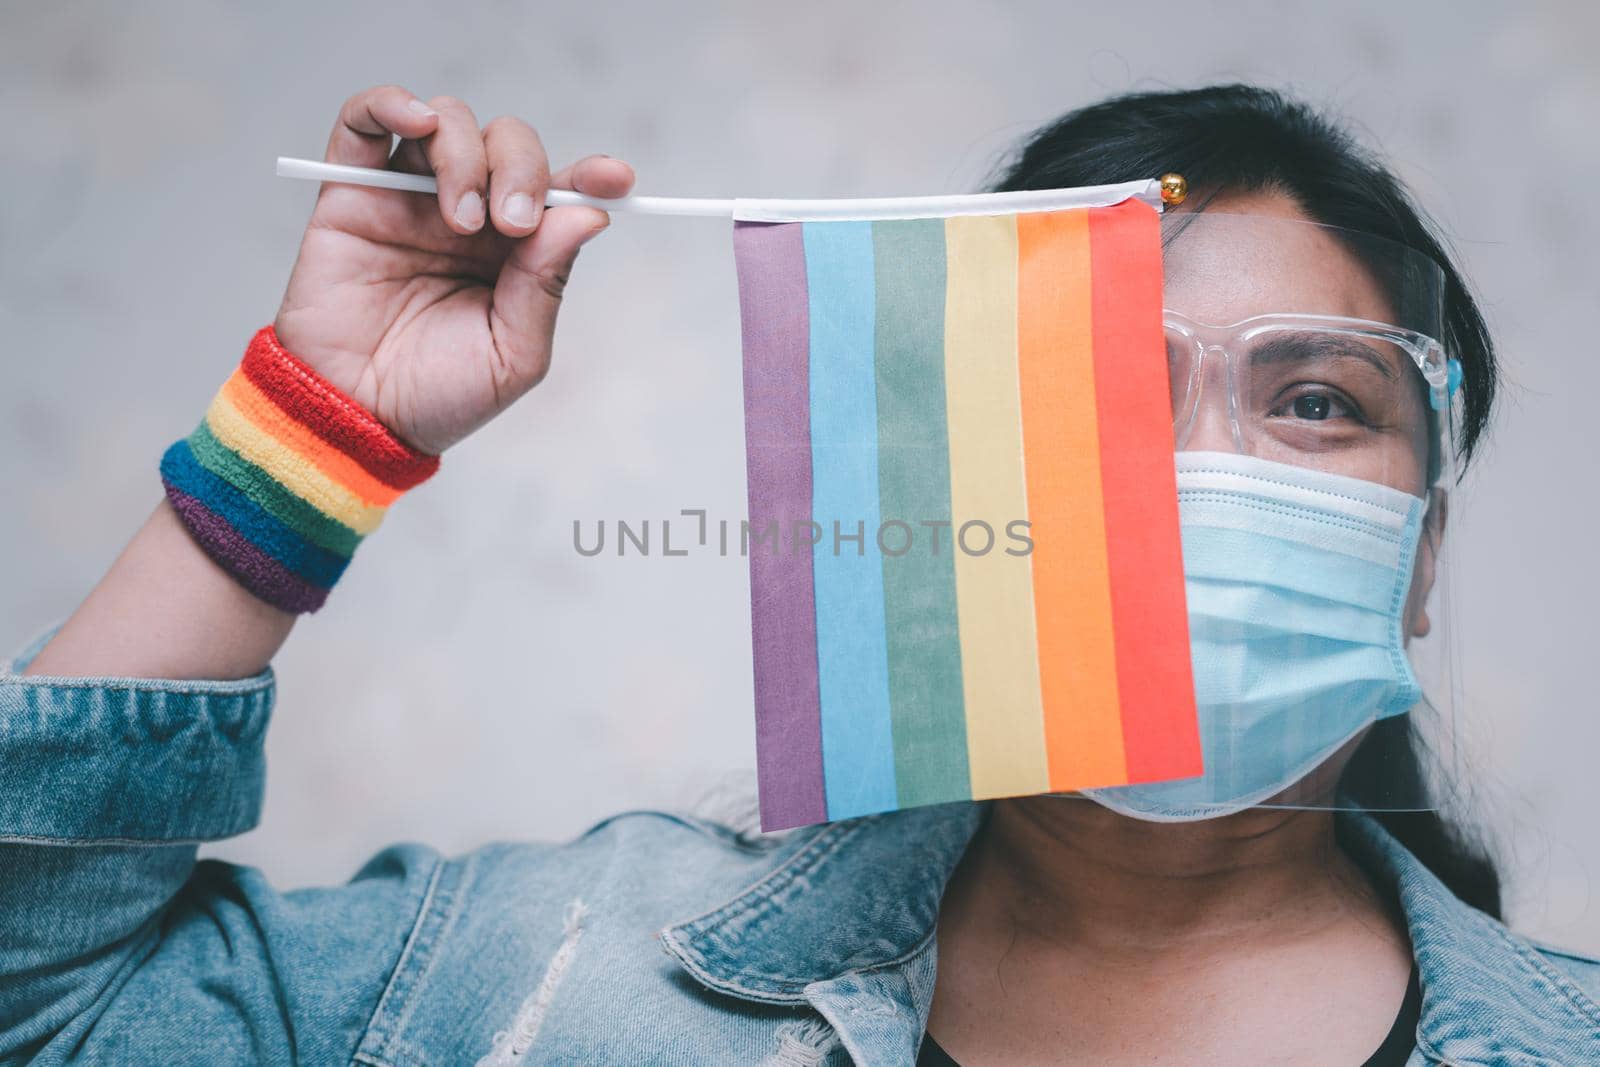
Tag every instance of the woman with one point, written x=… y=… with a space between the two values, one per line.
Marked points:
x=1065 y=931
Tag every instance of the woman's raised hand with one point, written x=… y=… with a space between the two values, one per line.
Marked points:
x=435 y=314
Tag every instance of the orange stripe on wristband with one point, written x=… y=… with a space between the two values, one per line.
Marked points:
x=259 y=408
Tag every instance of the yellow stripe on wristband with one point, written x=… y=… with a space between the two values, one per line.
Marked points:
x=264 y=412
x=289 y=468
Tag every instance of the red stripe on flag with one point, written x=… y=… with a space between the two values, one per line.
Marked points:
x=1160 y=731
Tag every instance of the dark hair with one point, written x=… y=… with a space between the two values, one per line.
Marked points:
x=1242 y=138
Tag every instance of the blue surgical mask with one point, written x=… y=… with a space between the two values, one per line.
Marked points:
x=1296 y=582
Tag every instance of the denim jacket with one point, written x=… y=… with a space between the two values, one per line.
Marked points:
x=651 y=939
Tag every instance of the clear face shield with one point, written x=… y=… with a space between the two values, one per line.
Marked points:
x=1312 y=412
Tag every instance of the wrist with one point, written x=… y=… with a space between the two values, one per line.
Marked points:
x=285 y=475
x=344 y=361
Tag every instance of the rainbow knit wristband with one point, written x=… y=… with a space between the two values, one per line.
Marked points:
x=285 y=475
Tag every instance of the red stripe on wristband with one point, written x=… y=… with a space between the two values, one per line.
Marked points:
x=314 y=402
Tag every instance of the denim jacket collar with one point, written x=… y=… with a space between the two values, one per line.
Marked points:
x=846 y=924
x=1488 y=996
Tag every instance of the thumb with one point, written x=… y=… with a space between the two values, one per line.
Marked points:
x=528 y=292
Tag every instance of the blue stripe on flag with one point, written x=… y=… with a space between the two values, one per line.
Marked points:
x=852 y=647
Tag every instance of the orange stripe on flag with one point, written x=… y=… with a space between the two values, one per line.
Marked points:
x=1061 y=457
x=1144 y=552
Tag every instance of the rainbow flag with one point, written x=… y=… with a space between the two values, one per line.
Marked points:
x=965 y=567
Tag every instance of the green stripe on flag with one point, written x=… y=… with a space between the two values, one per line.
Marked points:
x=925 y=694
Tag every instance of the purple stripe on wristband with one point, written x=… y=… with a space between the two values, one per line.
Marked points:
x=252 y=568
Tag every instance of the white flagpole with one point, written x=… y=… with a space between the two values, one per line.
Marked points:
x=905 y=207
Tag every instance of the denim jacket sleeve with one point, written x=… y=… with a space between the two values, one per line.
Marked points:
x=115 y=944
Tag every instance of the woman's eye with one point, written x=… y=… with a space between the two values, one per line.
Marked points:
x=1319 y=407
x=1314 y=406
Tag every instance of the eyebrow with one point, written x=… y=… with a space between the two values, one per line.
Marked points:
x=1303 y=346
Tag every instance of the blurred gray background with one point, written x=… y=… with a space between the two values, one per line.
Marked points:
x=474 y=678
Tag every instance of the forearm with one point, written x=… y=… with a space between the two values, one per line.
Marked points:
x=166 y=610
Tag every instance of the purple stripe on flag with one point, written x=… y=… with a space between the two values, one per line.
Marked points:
x=250 y=566
x=775 y=314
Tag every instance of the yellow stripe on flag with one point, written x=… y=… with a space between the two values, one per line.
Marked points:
x=994 y=591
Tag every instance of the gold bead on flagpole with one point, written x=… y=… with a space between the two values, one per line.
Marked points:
x=1173 y=189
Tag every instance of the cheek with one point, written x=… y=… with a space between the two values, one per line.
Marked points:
x=1392 y=459
x=1421 y=448
x=1410 y=467
x=1399 y=455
